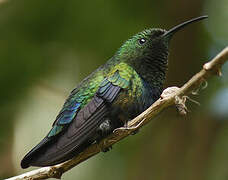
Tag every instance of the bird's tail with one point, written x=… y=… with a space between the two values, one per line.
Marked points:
x=36 y=151
x=41 y=154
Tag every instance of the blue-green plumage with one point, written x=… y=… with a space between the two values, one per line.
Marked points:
x=112 y=95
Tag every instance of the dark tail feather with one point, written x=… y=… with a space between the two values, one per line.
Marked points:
x=39 y=156
x=29 y=157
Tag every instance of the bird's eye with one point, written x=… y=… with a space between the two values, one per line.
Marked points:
x=142 y=41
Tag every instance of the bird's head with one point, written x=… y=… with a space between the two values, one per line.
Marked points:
x=148 y=50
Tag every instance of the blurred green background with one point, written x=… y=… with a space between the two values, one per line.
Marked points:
x=48 y=47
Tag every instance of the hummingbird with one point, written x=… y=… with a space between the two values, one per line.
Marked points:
x=116 y=92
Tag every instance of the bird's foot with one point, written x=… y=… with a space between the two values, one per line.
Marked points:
x=131 y=130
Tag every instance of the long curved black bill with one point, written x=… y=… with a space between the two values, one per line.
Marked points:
x=182 y=25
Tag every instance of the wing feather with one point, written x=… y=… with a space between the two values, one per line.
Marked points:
x=75 y=126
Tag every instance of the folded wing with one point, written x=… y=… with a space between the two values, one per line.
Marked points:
x=75 y=125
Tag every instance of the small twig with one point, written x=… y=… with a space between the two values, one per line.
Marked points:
x=169 y=97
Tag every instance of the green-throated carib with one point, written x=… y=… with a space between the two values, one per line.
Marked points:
x=109 y=97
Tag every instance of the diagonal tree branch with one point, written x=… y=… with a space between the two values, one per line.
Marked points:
x=170 y=96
